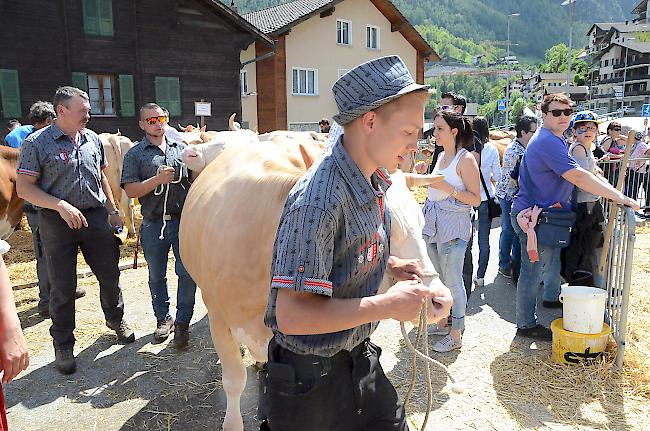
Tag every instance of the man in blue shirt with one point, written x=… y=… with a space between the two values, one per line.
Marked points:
x=41 y=114
x=547 y=179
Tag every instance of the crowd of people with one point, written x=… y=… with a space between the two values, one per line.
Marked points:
x=71 y=207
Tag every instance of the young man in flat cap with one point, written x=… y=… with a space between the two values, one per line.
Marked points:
x=330 y=255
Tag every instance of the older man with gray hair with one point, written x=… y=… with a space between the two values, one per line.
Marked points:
x=61 y=172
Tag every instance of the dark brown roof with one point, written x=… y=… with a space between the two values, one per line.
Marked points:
x=237 y=20
x=279 y=19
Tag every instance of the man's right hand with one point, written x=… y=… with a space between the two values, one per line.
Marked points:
x=405 y=298
x=72 y=216
x=165 y=175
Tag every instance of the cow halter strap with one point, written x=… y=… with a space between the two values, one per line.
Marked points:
x=165 y=188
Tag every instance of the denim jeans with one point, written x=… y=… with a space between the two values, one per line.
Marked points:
x=484 y=226
x=448 y=260
x=509 y=246
x=547 y=268
x=468 y=264
x=156 y=252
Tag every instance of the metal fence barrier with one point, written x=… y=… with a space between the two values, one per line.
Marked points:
x=618 y=275
x=637 y=180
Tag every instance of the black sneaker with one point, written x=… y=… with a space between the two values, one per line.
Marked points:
x=163 y=328
x=538 y=332
x=181 y=335
x=552 y=304
x=79 y=293
x=507 y=272
x=64 y=361
x=44 y=311
x=125 y=334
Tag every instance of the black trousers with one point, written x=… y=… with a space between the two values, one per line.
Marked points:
x=347 y=392
x=41 y=262
x=100 y=249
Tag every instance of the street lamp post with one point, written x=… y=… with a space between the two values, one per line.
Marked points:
x=568 y=71
x=508 y=71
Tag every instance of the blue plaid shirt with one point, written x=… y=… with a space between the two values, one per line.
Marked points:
x=333 y=240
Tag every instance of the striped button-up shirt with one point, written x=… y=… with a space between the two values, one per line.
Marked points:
x=333 y=240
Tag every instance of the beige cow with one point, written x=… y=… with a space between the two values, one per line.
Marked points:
x=242 y=194
x=115 y=147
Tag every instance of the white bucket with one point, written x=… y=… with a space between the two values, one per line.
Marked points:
x=583 y=309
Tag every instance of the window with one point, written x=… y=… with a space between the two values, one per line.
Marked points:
x=343 y=32
x=372 y=37
x=304 y=127
x=98 y=17
x=100 y=92
x=305 y=82
x=343 y=72
x=168 y=94
x=10 y=93
x=243 y=82
x=606 y=62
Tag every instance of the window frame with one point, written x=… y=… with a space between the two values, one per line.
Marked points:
x=88 y=25
x=243 y=83
x=349 y=24
x=369 y=28
x=100 y=83
x=306 y=70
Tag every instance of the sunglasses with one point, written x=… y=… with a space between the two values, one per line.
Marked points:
x=153 y=120
x=557 y=112
x=615 y=129
x=447 y=107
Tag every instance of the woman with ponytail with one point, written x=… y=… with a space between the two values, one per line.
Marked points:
x=447 y=212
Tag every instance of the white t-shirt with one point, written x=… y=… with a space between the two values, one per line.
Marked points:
x=490 y=168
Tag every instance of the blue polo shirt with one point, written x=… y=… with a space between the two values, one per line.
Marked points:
x=18 y=135
x=333 y=240
x=547 y=159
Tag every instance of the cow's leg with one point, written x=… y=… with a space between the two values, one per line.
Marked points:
x=233 y=372
x=127 y=207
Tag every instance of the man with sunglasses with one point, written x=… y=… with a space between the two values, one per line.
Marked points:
x=150 y=167
x=547 y=178
x=61 y=172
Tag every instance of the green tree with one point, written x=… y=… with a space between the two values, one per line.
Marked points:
x=555 y=61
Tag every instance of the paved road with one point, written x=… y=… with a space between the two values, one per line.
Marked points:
x=145 y=386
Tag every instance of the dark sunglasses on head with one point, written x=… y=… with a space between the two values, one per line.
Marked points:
x=153 y=120
x=615 y=129
x=557 y=112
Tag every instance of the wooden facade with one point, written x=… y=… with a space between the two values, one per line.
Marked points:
x=194 y=43
x=272 y=87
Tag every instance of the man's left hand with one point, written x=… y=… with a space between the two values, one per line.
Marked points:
x=115 y=220
x=405 y=269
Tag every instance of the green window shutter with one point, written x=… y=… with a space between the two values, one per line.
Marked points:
x=105 y=16
x=127 y=101
x=162 y=92
x=10 y=93
x=174 y=96
x=80 y=80
x=91 y=16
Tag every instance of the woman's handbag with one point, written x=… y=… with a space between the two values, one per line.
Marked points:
x=494 y=208
x=554 y=225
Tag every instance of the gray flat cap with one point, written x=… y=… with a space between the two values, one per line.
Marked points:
x=371 y=85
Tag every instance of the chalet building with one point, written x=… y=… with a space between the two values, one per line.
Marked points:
x=317 y=41
x=124 y=53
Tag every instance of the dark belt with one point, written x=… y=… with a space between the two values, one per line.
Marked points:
x=159 y=218
x=320 y=365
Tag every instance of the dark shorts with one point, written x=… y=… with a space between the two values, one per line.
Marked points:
x=347 y=392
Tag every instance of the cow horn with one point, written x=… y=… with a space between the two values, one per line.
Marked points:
x=231 y=122
x=183 y=129
x=118 y=132
x=202 y=129
x=306 y=157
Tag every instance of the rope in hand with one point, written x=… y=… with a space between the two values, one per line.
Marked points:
x=165 y=188
x=422 y=341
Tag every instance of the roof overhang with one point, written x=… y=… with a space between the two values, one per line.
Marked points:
x=237 y=20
